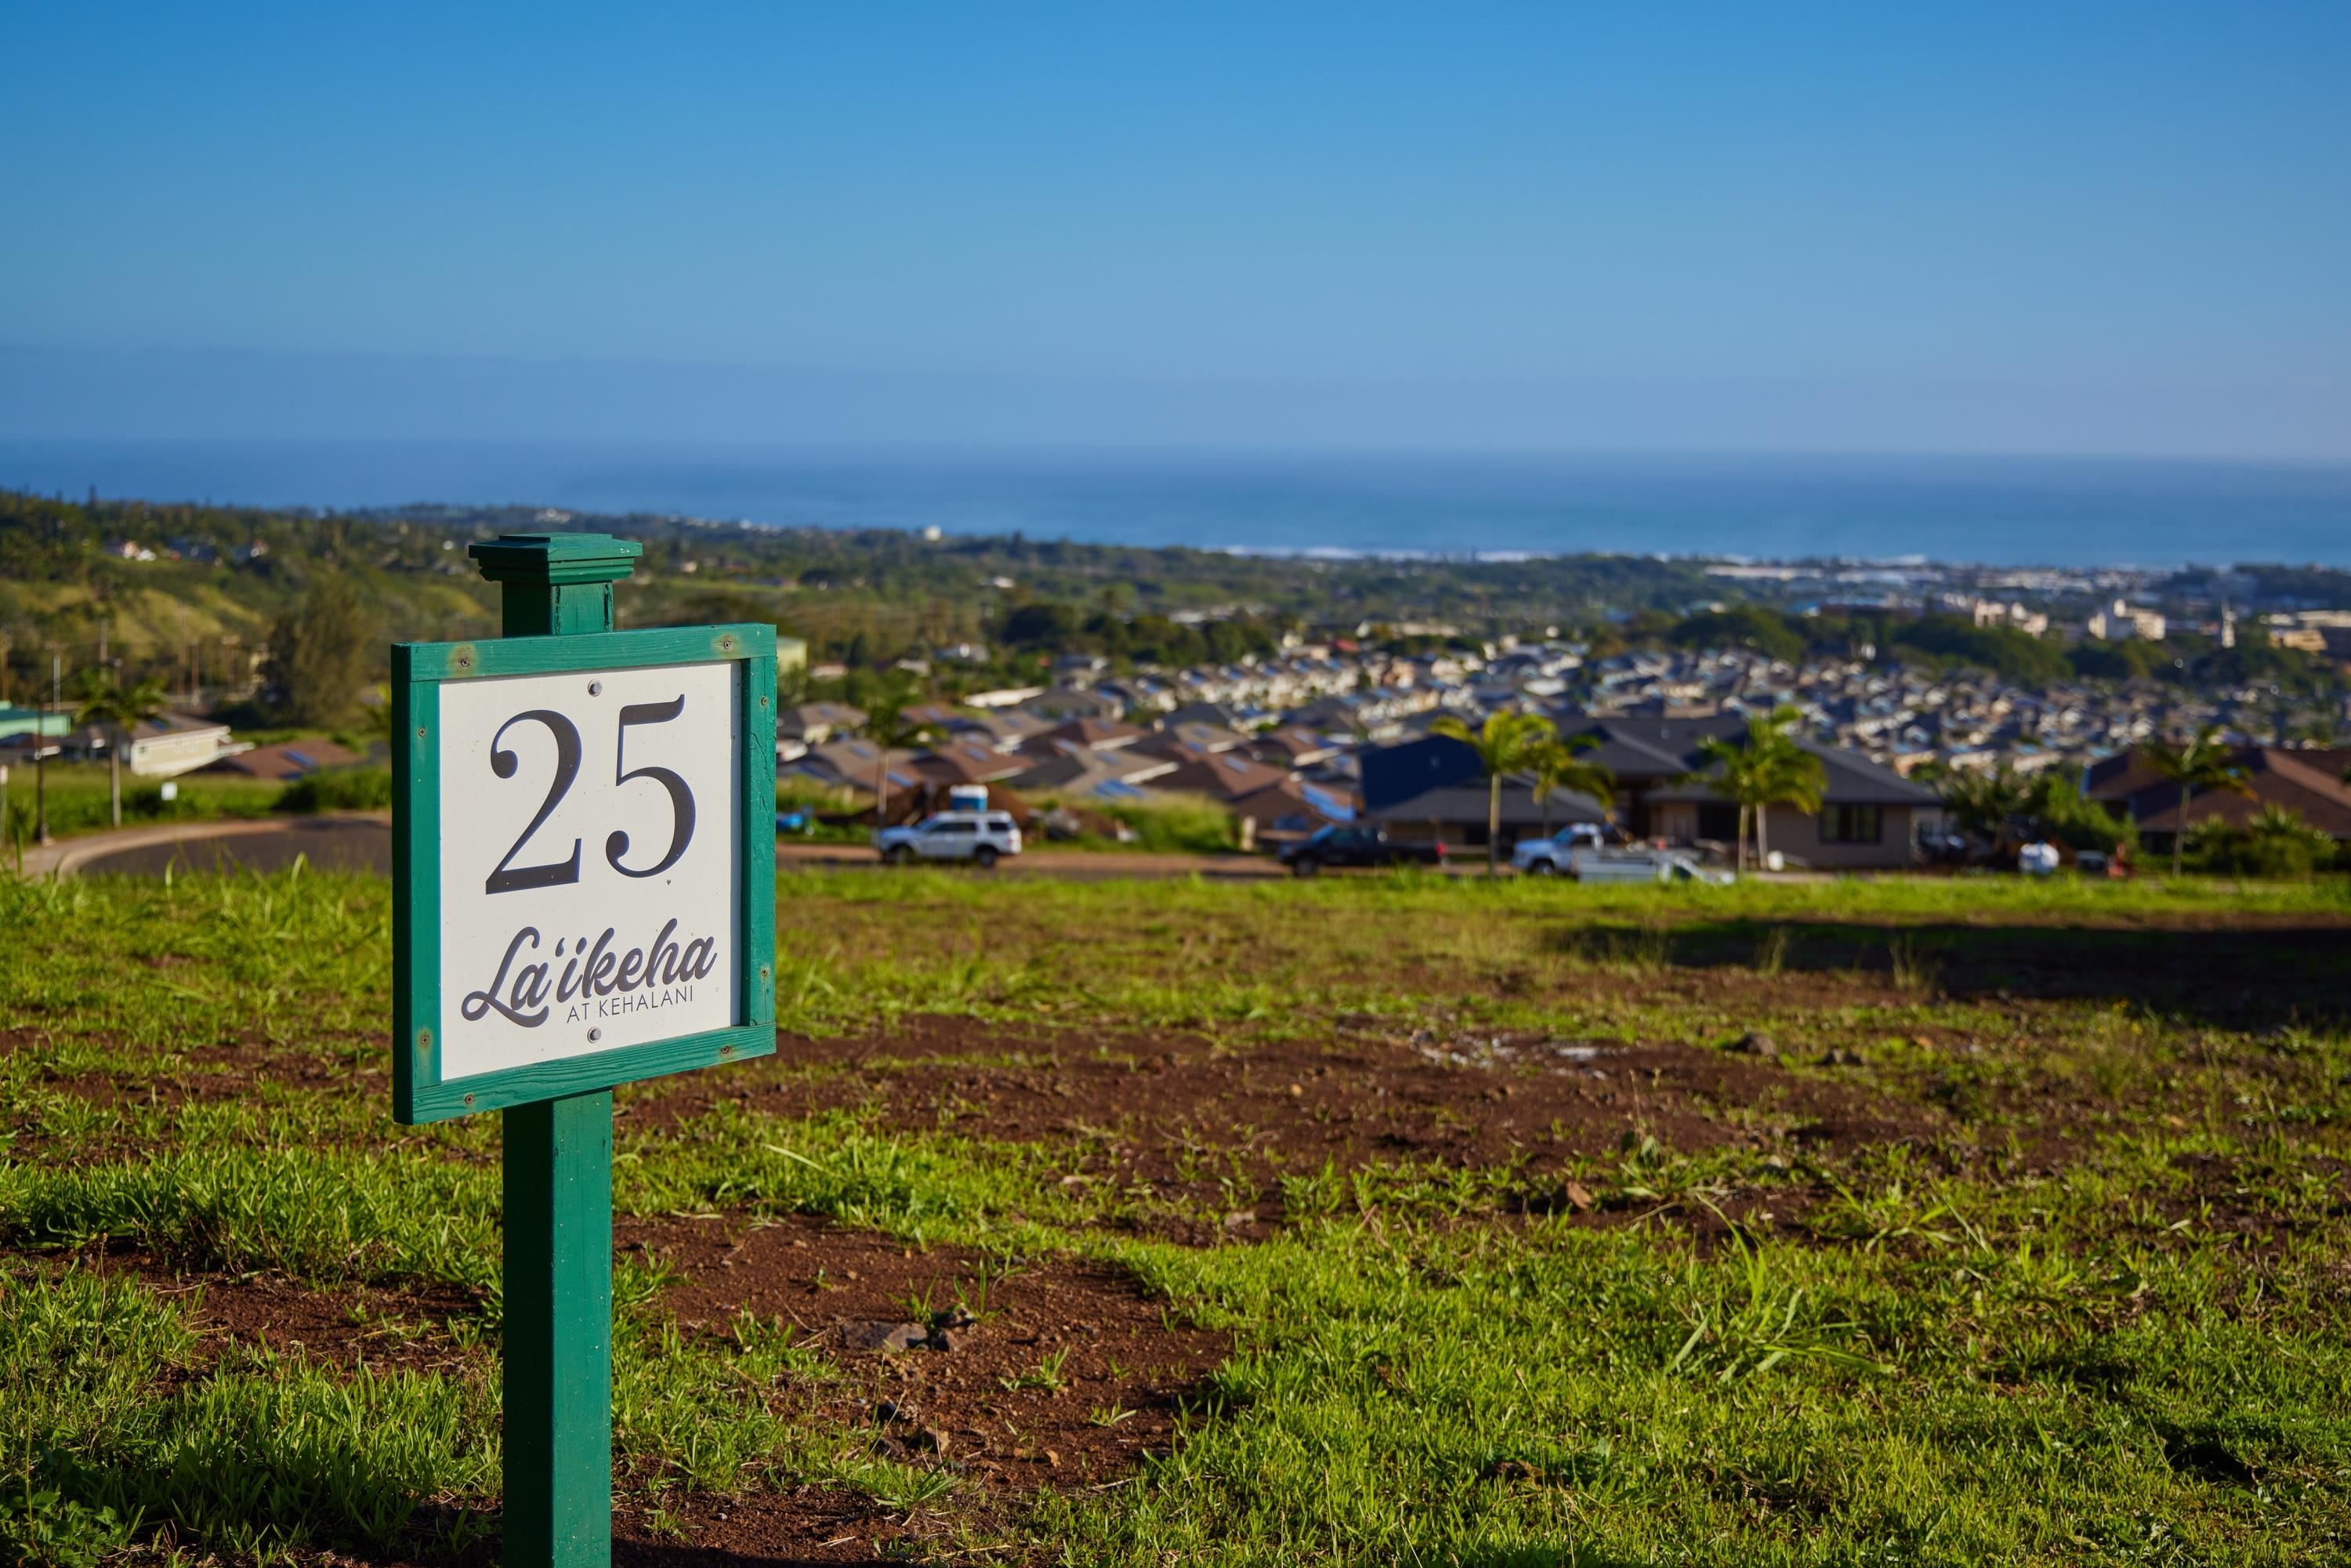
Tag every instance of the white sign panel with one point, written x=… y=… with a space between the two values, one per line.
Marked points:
x=590 y=861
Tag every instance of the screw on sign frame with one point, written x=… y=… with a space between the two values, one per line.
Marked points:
x=583 y=895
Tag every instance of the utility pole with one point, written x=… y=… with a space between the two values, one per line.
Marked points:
x=41 y=751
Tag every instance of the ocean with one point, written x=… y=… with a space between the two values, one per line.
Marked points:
x=2019 y=512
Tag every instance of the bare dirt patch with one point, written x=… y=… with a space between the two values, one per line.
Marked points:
x=202 y=1072
x=1163 y=1107
x=1044 y=1373
x=766 y=1529
x=404 y=1330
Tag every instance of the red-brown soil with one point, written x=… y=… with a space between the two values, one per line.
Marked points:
x=1121 y=1366
x=1152 y=1105
x=385 y=1330
x=767 y=1530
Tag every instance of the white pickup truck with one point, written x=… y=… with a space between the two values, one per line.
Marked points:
x=1586 y=859
x=1549 y=857
x=1643 y=866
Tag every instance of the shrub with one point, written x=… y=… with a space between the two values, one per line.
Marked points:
x=2274 y=843
x=1185 y=826
x=2059 y=810
x=340 y=789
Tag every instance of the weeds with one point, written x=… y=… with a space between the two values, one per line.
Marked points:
x=1046 y=1375
x=1912 y=969
x=1763 y=1322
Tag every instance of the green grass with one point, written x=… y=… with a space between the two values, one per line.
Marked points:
x=1169 y=824
x=1957 y=1347
x=79 y=801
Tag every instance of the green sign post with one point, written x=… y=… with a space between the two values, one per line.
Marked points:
x=583 y=896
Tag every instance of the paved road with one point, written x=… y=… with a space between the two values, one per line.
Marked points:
x=1063 y=865
x=329 y=843
x=363 y=843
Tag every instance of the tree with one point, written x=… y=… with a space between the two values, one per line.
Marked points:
x=322 y=651
x=375 y=717
x=121 y=709
x=1982 y=803
x=889 y=728
x=1750 y=626
x=1557 y=766
x=2200 y=762
x=1506 y=743
x=1763 y=769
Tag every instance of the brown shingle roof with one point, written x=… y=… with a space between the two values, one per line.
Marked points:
x=2306 y=782
x=1226 y=775
x=290 y=760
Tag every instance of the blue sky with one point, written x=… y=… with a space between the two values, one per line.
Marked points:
x=2034 y=228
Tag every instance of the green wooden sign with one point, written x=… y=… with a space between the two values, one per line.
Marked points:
x=584 y=895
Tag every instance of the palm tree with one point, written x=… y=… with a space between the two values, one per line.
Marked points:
x=2199 y=763
x=1506 y=743
x=1557 y=766
x=121 y=709
x=1763 y=769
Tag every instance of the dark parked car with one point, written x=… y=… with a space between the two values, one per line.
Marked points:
x=1341 y=844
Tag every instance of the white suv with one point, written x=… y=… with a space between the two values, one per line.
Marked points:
x=980 y=837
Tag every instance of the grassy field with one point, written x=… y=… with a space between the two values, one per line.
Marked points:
x=1396 y=1220
x=79 y=801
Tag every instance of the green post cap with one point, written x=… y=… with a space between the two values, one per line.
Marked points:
x=557 y=558
x=556 y=584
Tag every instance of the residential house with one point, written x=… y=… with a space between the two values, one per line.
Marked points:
x=1004 y=728
x=1071 y=770
x=1074 y=702
x=1292 y=749
x=967 y=759
x=287 y=761
x=174 y=743
x=1182 y=740
x=1871 y=816
x=813 y=724
x=855 y=766
x=1215 y=715
x=1437 y=789
x=1224 y=776
x=16 y=721
x=1291 y=809
x=1003 y=696
x=1093 y=734
x=2307 y=781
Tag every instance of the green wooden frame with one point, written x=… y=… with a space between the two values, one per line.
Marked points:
x=418 y=672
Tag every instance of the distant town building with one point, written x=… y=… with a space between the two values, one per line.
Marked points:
x=2121 y=620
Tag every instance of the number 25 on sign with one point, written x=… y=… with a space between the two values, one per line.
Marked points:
x=583 y=893
x=586 y=820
